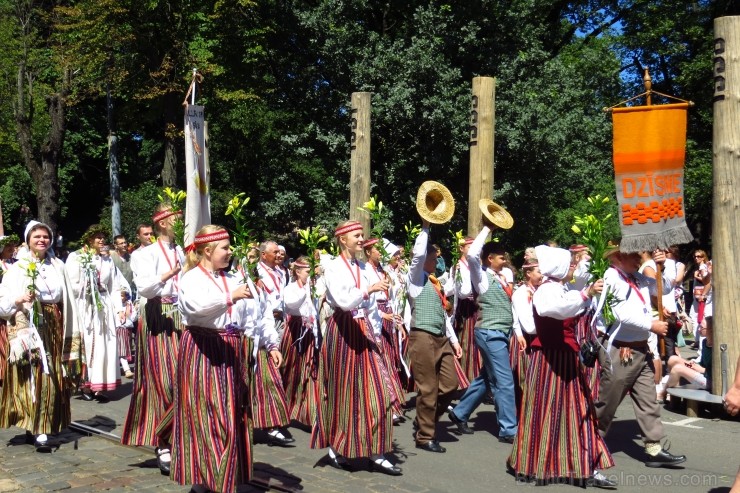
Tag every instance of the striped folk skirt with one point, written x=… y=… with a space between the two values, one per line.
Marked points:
x=4 y=343
x=156 y=362
x=518 y=360
x=211 y=439
x=355 y=414
x=391 y=352
x=35 y=401
x=558 y=436
x=123 y=343
x=269 y=403
x=300 y=371
x=465 y=317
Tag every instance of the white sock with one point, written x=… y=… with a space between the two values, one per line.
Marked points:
x=124 y=365
x=381 y=461
x=335 y=456
x=164 y=455
x=276 y=433
x=42 y=438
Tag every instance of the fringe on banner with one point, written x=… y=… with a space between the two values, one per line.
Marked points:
x=650 y=241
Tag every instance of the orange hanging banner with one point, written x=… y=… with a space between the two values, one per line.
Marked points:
x=649 y=154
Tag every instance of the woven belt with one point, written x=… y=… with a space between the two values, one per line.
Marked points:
x=168 y=299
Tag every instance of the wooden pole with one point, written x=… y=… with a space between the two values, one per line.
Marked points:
x=725 y=200
x=359 y=180
x=482 y=127
x=648 y=82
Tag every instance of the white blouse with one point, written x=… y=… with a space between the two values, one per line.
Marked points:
x=204 y=300
x=154 y=261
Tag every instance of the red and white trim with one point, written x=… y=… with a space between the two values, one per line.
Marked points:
x=348 y=228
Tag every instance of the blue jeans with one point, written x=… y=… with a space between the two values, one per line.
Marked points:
x=495 y=375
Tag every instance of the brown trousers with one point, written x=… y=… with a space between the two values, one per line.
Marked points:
x=433 y=367
x=636 y=377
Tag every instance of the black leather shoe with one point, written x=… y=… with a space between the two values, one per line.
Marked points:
x=164 y=466
x=86 y=396
x=342 y=465
x=432 y=446
x=279 y=441
x=598 y=480
x=508 y=439
x=42 y=446
x=391 y=471
x=664 y=458
x=462 y=426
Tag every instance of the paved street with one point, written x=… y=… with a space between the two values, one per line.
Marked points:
x=474 y=463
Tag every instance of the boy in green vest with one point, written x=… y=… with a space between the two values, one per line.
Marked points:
x=432 y=342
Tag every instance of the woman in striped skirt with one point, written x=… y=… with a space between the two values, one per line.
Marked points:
x=211 y=436
x=466 y=314
x=44 y=341
x=125 y=333
x=156 y=274
x=269 y=402
x=558 y=439
x=355 y=416
x=299 y=347
x=524 y=330
x=8 y=245
x=388 y=325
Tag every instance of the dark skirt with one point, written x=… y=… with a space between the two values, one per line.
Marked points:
x=4 y=343
x=466 y=316
x=300 y=371
x=123 y=343
x=212 y=432
x=269 y=403
x=355 y=413
x=391 y=352
x=557 y=436
x=156 y=362
x=32 y=400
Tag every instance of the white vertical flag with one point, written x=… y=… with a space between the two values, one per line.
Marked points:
x=198 y=201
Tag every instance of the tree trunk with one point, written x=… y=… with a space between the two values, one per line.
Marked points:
x=171 y=132
x=42 y=164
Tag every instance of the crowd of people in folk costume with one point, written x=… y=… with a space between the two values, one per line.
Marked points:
x=220 y=353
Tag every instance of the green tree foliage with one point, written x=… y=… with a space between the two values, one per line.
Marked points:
x=277 y=79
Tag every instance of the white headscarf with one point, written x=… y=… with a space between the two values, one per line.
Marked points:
x=554 y=262
x=33 y=223
x=390 y=248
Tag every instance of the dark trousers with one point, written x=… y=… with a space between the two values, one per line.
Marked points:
x=433 y=366
x=637 y=377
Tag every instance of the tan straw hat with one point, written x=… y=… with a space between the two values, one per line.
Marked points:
x=434 y=202
x=496 y=214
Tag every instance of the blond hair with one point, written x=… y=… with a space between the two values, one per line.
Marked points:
x=194 y=256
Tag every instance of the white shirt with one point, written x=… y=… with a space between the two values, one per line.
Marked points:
x=274 y=284
x=632 y=313
x=204 y=301
x=521 y=308
x=555 y=300
x=346 y=289
x=154 y=261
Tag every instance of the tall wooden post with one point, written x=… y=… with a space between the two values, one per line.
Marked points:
x=359 y=175
x=482 y=126
x=725 y=199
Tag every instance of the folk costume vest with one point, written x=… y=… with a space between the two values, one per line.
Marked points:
x=494 y=307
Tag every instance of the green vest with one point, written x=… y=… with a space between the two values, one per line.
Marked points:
x=427 y=312
x=494 y=307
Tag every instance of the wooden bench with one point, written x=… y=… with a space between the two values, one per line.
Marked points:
x=694 y=396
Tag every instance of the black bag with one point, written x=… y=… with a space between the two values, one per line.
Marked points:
x=589 y=353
